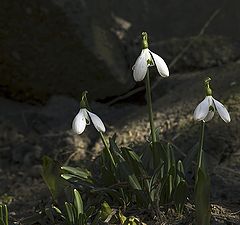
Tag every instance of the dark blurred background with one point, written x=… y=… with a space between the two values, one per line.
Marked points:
x=53 y=47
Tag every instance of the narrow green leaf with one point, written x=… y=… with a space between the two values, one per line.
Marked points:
x=2 y=222
x=180 y=196
x=126 y=172
x=134 y=162
x=70 y=213
x=202 y=198
x=78 y=182
x=82 y=220
x=156 y=177
x=4 y=214
x=154 y=183
x=81 y=173
x=78 y=203
x=105 y=211
x=1 y=212
x=159 y=151
x=107 y=160
x=134 y=155
x=122 y=218
x=113 y=145
x=75 y=213
x=58 y=211
x=180 y=172
x=51 y=174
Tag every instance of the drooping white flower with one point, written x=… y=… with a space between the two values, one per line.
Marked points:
x=148 y=58
x=83 y=118
x=206 y=109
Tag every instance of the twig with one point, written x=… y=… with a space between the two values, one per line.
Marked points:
x=185 y=49
x=173 y=62
x=127 y=95
x=235 y=213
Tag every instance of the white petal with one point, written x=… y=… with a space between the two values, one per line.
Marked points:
x=202 y=109
x=79 y=122
x=209 y=116
x=222 y=111
x=97 y=122
x=140 y=67
x=160 y=64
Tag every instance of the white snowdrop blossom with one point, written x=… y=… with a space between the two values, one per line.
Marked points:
x=148 y=58
x=206 y=109
x=83 y=118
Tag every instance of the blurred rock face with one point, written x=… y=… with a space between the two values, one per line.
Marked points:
x=50 y=47
x=66 y=46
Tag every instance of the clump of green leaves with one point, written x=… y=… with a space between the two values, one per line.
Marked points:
x=74 y=213
x=144 y=180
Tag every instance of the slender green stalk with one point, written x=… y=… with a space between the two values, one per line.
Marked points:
x=107 y=147
x=200 y=153
x=6 y=215
x=149 y=104
x=202 y=187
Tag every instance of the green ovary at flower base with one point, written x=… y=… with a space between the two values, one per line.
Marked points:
x=140 y=71
x=204 y=112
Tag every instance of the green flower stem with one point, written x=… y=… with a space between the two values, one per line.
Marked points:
x=107 y=147
x=149 y=104
x=200 y=153
x=4 y=214
x=202 y=187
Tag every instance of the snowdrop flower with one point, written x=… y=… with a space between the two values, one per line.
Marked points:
x=83 y=118
x=206 y=109
x=148 y=58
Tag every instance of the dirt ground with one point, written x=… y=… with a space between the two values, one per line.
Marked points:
x=27 y=132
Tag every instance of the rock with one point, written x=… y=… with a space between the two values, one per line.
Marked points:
x=50 y=47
